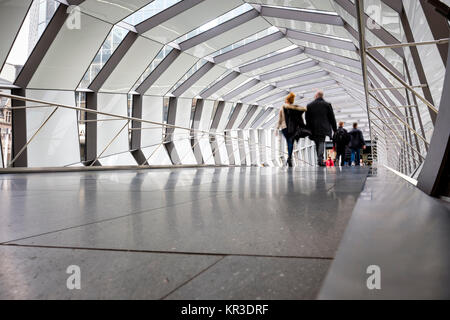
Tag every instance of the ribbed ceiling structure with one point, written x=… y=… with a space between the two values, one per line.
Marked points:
x=233 y=61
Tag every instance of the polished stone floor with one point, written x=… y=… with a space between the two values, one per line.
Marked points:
x=191 y=233
x=401 y=230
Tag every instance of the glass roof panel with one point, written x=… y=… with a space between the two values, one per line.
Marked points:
x=323 y=5
x=205 y=81
x=295 y=74
x=191 y=71
x=229 y=86
x=161 y=55
x=277 y=65
x=215 y=22
x=249 y=91
x=108 y=47
x=149 y=11
x=338 y=51
x=320 y=28
x=228 y=37
x=184 y=22
x=249 y=39
x=252 y=55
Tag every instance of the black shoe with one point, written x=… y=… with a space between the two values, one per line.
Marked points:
x=321 y=164
x=289 y=163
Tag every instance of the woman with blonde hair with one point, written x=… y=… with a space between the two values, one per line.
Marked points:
x=290 y=122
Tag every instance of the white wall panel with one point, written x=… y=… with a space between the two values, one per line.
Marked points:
x=225 y=117
x=151 y=135
x=107 y=130
x=235 y=146
x=204 y=124
x=181 y=137
x=240 y=116
x=221 y=154
x=220 y=140
x=57 y=143
x=120 y=159
x=254 y=147
x=70 y=54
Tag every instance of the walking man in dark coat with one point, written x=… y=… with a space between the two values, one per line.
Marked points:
x=341 y=139
x=320 y=121
x=356 y=143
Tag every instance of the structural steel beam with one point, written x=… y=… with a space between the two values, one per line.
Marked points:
x=288 y=70
x=424 y=100
x=434 y=177
x=250 y=112
x=301 y=78
x=195 y=126
x=333 y=57
x=270 y=60
x=255 y=95
x=193 y=79
x=19 y=130
x=42 y=46
x=438 y=25
x=321 y=39
x=166 y=15
x=241 y=89
x=249 y=47
x=218 y=30
x=272 y=98
x=379 y=56
x=301 y=15
x=340 y=71
x=237 y=109
x=219 y=84
x=113 y=61
x=158 y=71
x=258 y=116
x=315 y=85
x=417 y=63
x=377 y=30
x=362 y=46
x=395 y=5
x=260 y=120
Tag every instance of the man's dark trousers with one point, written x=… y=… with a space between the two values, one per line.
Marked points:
x=320 y=146
x=340 y=152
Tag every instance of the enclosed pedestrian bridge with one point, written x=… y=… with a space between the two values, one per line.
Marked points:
x=142 y=135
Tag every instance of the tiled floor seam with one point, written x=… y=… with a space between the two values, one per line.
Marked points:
x=165 y=252
x=101 y=221
x=192 y=278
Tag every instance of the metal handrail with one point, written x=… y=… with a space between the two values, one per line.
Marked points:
x=160 y=125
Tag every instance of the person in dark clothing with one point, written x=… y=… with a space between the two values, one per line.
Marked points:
x=320 y=120
x=356 y=143
x=341 y=138
x=348 y=156
x=290 y=118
